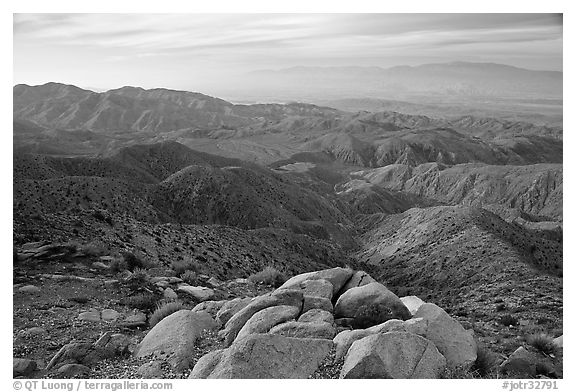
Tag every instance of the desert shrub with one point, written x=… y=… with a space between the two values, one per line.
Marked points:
x=270 y=276
x=180 y=266
x=372 y=314
x=508 y=320
x=133 y=261
x=118 y=264
x=145 y=301
x=137 y=279
x=486 y=363
x=164 y=309
x=542 y=342
x=92 y=249
x=102 y=216
x=500 y=307
x=189 y=277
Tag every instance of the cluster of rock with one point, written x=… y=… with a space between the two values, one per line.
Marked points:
x=289 y=332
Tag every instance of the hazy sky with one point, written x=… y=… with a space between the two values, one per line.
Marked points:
x=191 y=51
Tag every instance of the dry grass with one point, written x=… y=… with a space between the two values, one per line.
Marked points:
x=543 y=343
x=164 y=309
x=269 y=276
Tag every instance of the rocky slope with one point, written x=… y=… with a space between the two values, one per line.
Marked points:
x=533 y=189
x=170 y=183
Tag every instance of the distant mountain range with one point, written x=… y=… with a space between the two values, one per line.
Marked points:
x=450 y=79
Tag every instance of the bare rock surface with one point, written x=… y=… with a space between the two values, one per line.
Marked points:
x=267 y=356
x=173 y=338
x=393 y=355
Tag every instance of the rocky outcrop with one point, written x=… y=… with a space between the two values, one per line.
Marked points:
x=266 y=319
x=279 y=297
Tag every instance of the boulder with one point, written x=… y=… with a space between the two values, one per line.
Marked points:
x=210 y=307
x=399 y=355
x=359 y=278
x=413 y=303
x=206 y=364
x=169 y=293
x=316 y=316
x=344 y=340
x=34 y=331
x=230 y=308
x=336 y=276
x=29 y=289
x=451 y=339
x=371 y=294
x=266 y=356
x=524 y=363
x=317 y=303
x=265 y=319
x=110 y=315
x=174 y=337
x=199 y=293
x=278 y=297
x=109 y=345
x=296 y=329
x=317 y=288
x=92 y=315
x=23 y=367
x=72 y=369
x=559 y=341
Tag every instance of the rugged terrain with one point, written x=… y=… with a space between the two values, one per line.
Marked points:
x=117 y=191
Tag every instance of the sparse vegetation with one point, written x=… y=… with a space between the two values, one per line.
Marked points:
x=145 y=301
x=542 y=342
x=269 y=276
x=486 y=363
x=164 y=309
x=132 y=261
x=189 y=277
x=508 y=320
x=181 y=266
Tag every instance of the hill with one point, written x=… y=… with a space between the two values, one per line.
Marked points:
x=533 y=189
x=170 y=183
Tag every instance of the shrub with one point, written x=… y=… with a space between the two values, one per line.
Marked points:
x=132 y=261
x=138 y=278
x=372 y=314
x=145 y=302
x=508 y=320
x=118 y=264
x=164 y=309
x=182 y=266
x=270 y=276
x=500 y=307
x=486 y=363
x=542 y=342
x=189 y=277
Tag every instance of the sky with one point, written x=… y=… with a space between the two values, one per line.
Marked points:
x=196 y=51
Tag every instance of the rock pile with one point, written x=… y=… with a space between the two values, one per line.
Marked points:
x=289 y=332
